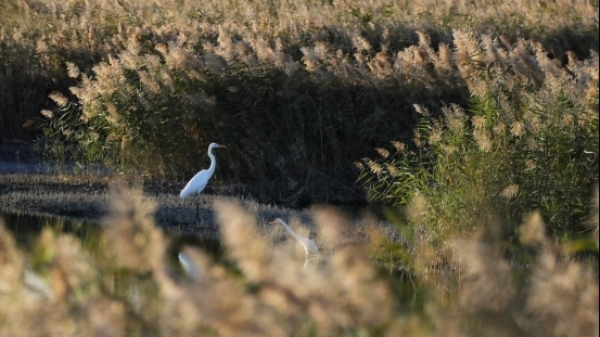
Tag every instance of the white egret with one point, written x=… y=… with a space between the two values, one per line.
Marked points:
x=310 y=247
x=188 y=265
x=36 y=288
x=199 y=181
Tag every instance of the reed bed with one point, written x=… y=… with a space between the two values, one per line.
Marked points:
x=476 y=122
x=298 y=90
x=260 y=287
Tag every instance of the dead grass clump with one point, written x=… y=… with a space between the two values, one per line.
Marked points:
x=53 y=291
x=486 y=283
x=552 y=294
x=137 y=243
x=11 y=268
x=563 y=296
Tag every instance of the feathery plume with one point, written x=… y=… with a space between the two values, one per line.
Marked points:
x=72 y=70
x=59 y=98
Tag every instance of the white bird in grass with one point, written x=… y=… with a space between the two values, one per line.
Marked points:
x=199 y=181
x=310 y=247
x=188 y=265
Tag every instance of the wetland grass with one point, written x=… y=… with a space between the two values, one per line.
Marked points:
x=260 y=288
x=475 y=127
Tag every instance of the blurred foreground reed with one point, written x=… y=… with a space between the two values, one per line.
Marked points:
x=60 y=289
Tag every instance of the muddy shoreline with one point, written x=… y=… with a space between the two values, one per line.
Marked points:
x=30 y=185
x=87 y=196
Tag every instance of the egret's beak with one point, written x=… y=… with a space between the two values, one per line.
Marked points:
x=222 y=146
x=272 y=222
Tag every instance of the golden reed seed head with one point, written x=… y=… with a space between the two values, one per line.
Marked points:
x=59 y=98
x=532 y=231
x=517 y=129
x=375 y=167
x=510 y=191
x=399 y=146
x=383 y=152
x=72 y=70
x=47 y=113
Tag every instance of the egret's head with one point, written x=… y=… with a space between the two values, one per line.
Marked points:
x=276 y=221
x=216 y=146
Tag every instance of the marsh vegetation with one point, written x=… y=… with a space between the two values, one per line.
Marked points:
x=472 y=126
x=258 y=287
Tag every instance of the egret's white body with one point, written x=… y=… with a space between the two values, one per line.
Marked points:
x=199 y=181
x=36 y=288
x=310 y=247
x=188 y=266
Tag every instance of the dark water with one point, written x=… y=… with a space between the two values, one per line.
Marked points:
x=26 y=230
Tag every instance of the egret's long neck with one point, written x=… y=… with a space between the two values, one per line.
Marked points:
x=213 y=162
x=290 y=231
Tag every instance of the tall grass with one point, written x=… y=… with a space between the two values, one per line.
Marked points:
x=528 y=141
x=297 y=90
x=481 y=121
x=261 y=288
